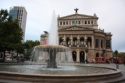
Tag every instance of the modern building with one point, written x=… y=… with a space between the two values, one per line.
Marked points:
x=44 y=38
x=20 y=14
x=81 y=33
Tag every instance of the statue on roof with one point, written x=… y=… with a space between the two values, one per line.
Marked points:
x=76 y=10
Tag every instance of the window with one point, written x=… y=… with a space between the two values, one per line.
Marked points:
x=60 y=23
x=79 y=22
x=97 y=54
x=108 y=44
x=73 y=22
x=67 y=22
x=85 y=22
x=91 y=22
x=76 y=22
x=97 y=43
x=95 y=22
x=88 y=22
x=101 y=43
x=63 y=23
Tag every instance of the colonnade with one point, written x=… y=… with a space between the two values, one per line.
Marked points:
x=77 y=41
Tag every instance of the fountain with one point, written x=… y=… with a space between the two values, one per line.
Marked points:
x=50 y=67
x=51 y=55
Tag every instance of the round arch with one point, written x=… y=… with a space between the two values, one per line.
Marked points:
x=82 y=57
x=74 y=56
x=97 y=54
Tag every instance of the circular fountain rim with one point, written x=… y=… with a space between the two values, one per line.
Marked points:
x=116 y=71
x=50 y=46
x=61 y=78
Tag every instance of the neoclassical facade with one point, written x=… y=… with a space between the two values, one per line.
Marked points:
x=81 y=33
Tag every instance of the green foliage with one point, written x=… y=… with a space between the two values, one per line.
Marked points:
x=121 y=55
x=3 y=16
x=30 y=44
x=115 y=53
x=10 y=33
x=118 y=54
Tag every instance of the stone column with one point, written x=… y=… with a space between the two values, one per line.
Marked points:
x=85 y=57
x=93 y=42
x=111 y=43
x=64 y=40
x=71 y=39
x=85 y=40
x=78 y=56
x=78 y=40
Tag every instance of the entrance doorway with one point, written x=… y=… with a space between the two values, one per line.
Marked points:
x=74 y=56
x=82 y=55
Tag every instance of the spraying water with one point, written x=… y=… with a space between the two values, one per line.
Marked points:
x=53 y=33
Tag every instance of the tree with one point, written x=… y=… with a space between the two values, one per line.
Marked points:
x=116 y=56
x=29 y=46
x=116 y=52
x=10 y=34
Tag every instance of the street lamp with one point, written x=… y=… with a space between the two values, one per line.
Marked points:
x=116 y=61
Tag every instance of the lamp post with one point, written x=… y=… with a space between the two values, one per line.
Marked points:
x=116 y=61
x=103 y=54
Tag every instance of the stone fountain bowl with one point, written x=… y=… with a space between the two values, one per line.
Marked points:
x=57 y=48
x=62 y=74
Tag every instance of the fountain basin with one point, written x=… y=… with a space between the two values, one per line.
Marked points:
x=63 y=74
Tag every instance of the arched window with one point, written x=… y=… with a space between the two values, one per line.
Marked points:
x=66 y=22
x=101 y=43
x=60 y=23
x=85 y=22
x=108 y=44
x=63 y=23
x=97 y=54
x=68 y=41
x=74 y=41
x=81 y=42
x=73 y=22
x=74 y=55
x=88 y=22
x=60 y=40
x=82 y=57
x=89 y=41
x=79 y=22
x=97 y=43
x=91 y=22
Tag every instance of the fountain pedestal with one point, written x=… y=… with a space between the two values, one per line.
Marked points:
x=52 y=59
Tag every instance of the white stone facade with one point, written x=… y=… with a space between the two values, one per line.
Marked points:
x=81 y=33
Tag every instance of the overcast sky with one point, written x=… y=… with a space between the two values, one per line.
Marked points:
x=111 y=15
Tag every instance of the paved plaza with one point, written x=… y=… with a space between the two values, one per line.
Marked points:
x=121 y=66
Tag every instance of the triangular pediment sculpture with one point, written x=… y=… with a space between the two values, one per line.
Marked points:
x=77 y=16
x=74 y=28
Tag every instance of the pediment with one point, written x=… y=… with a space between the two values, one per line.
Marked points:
x=73 y=28
x=77 y=16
